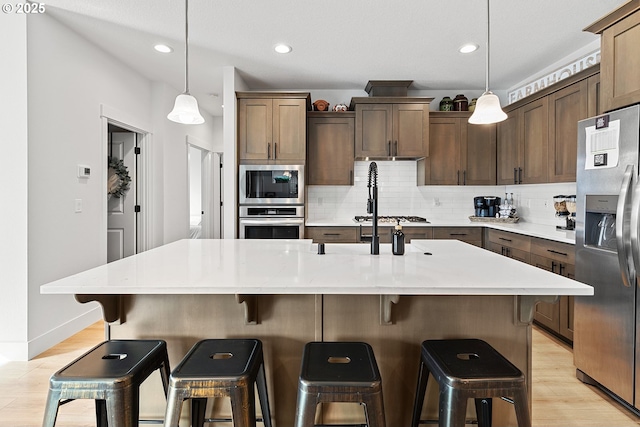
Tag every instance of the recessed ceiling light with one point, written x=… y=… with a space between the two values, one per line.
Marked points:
x=468 y=48
x=163 y=48
x=282 y=48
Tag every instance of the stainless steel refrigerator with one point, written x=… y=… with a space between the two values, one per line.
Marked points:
x=606 y=333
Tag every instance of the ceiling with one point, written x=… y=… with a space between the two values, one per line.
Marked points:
x=337 y=44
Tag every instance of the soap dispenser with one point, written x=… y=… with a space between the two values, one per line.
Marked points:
x=398 y=240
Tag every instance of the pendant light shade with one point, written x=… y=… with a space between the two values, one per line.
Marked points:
x=488 y=108
x=185 y=110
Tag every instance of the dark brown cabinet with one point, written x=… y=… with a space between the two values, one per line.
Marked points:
x=330 y=156
x=471 y=235
x=516 y=246
x=397 y=128
x=566 y=107
x=558 y=258
x=332 y=234
x=619 y=63
x=459 y=153
x=272 y=126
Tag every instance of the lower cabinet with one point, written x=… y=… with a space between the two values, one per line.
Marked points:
x=471 y=235
x=332 y=234
x=556 y=257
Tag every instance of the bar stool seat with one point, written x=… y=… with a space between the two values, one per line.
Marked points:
x=469 y=368
x=339 y=372
x=220 y=368
x=110 y=373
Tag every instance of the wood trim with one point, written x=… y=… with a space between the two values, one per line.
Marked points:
x=276 y=95
x=330 y=114
x=388 y=100
x=612 y=18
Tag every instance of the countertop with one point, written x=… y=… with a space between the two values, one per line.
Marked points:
x=234 y=266
x=534 y=230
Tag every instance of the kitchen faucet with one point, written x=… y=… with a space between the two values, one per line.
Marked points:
x=372 y=208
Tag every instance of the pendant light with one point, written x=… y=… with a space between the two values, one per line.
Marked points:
x=185 y=110
x=488 y=108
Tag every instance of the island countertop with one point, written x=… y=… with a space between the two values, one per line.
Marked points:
x=265 y=267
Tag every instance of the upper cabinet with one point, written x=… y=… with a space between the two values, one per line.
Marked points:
x=272 y=126
x=619 y=61
x=330 y=157
x=388 y=127
x=459 y=153
x=538 y=141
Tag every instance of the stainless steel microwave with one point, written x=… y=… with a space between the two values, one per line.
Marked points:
x=271 y=184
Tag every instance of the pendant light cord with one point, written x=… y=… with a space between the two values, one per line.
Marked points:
x=488 y=43
x=186 y=46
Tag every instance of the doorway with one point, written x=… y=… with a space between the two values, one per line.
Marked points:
x=205 y=213
x=122 y=186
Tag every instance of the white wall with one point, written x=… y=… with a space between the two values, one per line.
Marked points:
x=68 y=81
x=13 y=179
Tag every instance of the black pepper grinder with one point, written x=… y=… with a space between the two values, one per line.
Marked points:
x=398 y=240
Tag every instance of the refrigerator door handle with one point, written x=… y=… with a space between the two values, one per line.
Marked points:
x=635 y=229
x=623 y=237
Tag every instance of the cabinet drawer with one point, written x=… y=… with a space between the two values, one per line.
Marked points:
x=556 y=251
x=466 y=234
x=417 y=233
x=332 y=234
x=517 y=254
x=511 y=240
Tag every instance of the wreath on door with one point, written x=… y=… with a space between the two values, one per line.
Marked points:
x=119 y=180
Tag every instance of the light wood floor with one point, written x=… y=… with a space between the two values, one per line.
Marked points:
x=559 y=399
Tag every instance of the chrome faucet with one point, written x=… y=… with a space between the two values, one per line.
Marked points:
x=372 y=208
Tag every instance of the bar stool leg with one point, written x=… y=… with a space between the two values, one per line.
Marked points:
x=174 y=408
x=165 y=373
x=484 y=411
x=305 y=410
x=242 y=406
x=423 y=378
x=261 y=382
x=374 y=418
x=522 y=408
x=118 y=412
x=198 y=411
x=51 y=409
x=453 y=408
x=101 y=413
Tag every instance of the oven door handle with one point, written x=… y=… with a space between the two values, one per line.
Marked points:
x=272 y=221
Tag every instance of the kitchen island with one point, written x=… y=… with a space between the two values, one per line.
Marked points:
x=285 y=294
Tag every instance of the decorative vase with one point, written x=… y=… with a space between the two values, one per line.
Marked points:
x=472 y=104
x=460 y=103
x=446 y=104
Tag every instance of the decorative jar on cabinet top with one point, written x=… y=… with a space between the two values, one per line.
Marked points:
x=446 y=104
x=460 y=103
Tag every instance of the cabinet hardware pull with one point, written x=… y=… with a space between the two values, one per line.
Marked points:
x=268 y=150
x=502 y=250
x=275 y=150
x=351 y=176
x=395 y=143
x=457 y=234
x=458 y=177
x=506 y=240
x=389 y=148
x=553 y=266
x=556 y=252
x=515 y=175
x=519 y=175
x=464 y=177
x=562 y=267
x=331 y=234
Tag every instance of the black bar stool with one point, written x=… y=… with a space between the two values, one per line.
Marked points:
x=339 y=372
x=220 y=368
x=469 y=368
x=110 y=373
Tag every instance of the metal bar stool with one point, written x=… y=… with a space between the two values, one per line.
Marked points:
x=469 y=368
x=220 y=368
x=339 y=372
x=110 y=373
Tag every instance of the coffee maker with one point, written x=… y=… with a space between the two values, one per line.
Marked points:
x=486 y=206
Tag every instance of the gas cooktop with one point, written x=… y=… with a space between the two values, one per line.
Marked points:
x=391 y=219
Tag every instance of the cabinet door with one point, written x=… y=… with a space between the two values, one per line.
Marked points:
x=417 y=233
x=471 y=235
x=566 y=107
x=442 y=167
x=330 y=151
x=410 y=130
x=255 y=129
x=534 y=133
x=620 y=63
x=374 y=124
x=545 y=313
x=508 y=140
x=332 y=234
x=593 y=96
x=566 y=307
x=478 y=154
x=289 y=129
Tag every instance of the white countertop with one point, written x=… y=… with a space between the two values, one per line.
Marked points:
x=535 y=230
x=294 y=267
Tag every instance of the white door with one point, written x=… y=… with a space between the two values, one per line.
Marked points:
x=121 y=216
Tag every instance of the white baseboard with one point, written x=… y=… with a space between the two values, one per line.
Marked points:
x=23 y=351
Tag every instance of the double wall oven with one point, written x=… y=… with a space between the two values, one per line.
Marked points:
x=271 y=201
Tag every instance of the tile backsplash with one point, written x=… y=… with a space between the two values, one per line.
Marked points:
x=398 y=194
